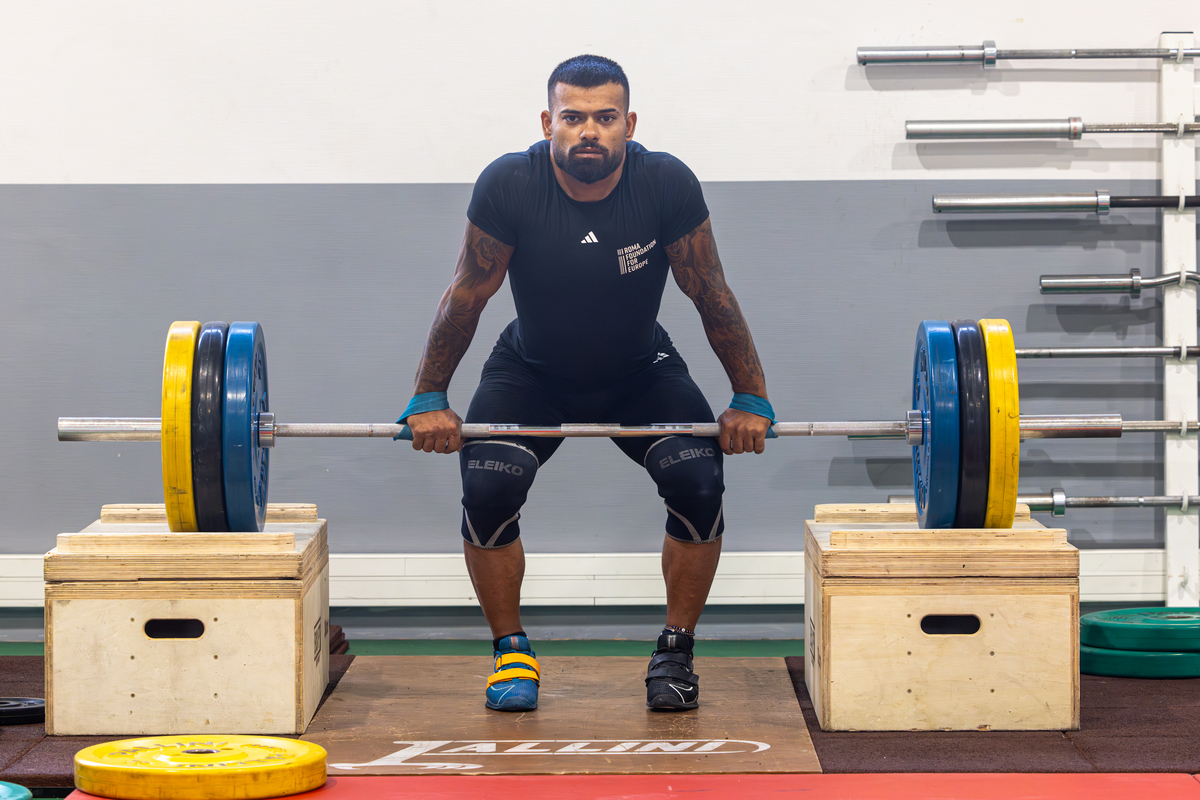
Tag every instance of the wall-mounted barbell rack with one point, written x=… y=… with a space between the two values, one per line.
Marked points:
x=1177 y=125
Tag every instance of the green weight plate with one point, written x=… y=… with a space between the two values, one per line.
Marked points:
x=1135 y=664
x=1170 y=630
x=12 y=791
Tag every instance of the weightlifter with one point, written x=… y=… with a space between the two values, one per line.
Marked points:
x=586 y=224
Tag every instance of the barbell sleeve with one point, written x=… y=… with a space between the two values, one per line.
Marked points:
x=984 y=54
x=1094 y=202
x=920 y=129
x=1133 y=283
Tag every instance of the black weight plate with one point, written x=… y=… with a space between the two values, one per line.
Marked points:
x=975 y=443
x=208 y=399
x=22 y=710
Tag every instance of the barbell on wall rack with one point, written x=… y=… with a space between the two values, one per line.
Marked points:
x=1057 y=501
x=1070 y=128
x=216 y=431
x=987 y=54
x=1133 y=283
x=1100 y=202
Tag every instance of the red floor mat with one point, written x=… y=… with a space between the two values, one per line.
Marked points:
x=908 y=786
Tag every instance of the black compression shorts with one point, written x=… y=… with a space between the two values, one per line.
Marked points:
x=510 y=392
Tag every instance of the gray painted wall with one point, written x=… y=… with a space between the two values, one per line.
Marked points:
x=833 y=277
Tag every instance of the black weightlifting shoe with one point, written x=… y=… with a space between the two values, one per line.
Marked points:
x=670 y=683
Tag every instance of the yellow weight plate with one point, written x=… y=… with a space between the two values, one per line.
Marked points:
x=200 y=768
x=1005 y=422
x=177 y=426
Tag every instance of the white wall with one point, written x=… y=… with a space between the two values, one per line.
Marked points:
x=297 y=91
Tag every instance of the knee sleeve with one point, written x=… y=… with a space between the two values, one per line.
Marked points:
x=690 y=481
x=496 y=478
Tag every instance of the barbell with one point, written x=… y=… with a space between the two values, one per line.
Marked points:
x=987 y=54
x=217 y=429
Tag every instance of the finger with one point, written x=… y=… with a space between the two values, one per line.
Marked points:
x=760 y=444
x=429 y=444
x=726 y=445
x=455 y=443
x=417 y=440
x=439 y=444
x=738 y=444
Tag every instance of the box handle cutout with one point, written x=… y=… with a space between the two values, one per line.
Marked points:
x=950 y=624
x=178 y=628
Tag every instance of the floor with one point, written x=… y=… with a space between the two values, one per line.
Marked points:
x=1128 y=726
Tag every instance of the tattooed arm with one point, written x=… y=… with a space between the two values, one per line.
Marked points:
x=697 y=270
x=480 y=271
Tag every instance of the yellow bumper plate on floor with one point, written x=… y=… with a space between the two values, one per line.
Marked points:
x=200 y=768
x=178 y=493
x=1005 y=422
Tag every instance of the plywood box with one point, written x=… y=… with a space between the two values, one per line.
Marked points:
x=910 y=629
x=154 y=632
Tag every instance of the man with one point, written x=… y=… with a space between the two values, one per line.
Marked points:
x=586 y=224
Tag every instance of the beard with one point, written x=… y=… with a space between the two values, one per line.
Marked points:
x=588 y=170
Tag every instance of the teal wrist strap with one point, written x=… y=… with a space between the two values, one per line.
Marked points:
x=753 y=404
x=421 y=403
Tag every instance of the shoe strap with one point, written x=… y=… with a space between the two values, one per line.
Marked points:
x=513 y=674
x=674 y=671
x=671 y=657
x=506 y=659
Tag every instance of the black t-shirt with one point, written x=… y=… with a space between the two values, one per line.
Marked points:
x=587 y=278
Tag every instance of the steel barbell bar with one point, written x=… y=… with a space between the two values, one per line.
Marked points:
x=1033 y=426
x=1070 y=128
x=987 y=54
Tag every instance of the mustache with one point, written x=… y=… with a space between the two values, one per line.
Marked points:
x=587 y=148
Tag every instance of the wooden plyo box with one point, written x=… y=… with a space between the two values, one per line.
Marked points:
x=154 y=632
x=889 y=611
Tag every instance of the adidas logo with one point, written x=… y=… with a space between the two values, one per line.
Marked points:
x=589 y=239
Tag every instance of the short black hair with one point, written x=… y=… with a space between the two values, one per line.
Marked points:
x=587 y=71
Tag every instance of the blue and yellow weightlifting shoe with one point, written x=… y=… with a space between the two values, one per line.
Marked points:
x=514 y=686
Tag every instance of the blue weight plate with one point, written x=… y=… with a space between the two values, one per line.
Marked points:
x=208 y=396
x=246 y=465
x=935 y=395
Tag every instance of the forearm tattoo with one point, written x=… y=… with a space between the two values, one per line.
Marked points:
x=697 y=270
x=478 y=274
